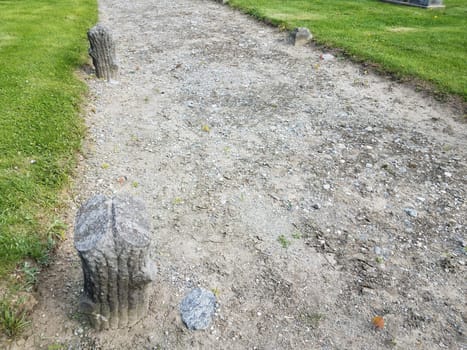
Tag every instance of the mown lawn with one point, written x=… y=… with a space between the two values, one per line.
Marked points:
x=430 y=44
x=42 y=42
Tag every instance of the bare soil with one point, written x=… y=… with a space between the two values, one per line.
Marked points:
x=310 y=194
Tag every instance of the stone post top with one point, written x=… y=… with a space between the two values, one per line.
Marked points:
x=99 y=27
x=92 y=222
x=121 y=217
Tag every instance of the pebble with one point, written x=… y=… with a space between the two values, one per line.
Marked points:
x=343 y=115
x=462 y=241
x=197 y=308
x=411 y=212
x=327 y=57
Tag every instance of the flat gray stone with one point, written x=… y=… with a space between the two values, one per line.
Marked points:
x=197 y=308
x=411 y=212
x=327 y=57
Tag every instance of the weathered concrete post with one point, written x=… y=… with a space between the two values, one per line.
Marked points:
x=419 y=3
x=112 y=237
x=300 y=36
x=102 y=51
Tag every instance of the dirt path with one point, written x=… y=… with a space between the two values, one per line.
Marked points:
x=309 y=194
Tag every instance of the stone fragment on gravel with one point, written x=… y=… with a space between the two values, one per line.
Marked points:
x=411 y=212
x=326 y=57
x=197 y=308
x=301 y=36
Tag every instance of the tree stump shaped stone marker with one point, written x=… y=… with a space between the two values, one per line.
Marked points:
x=102 y=52
x=301 y=36
x=112 y=237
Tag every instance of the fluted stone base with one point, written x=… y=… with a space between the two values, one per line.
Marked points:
x=112 y=237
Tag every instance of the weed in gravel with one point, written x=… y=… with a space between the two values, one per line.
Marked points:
x=296 y=235
x=57 y=230
x=12 y=322
x=30 y=273
x=77 y=316
x=379 y=259
x=56 y=346
x=177 y=201
x=216 y=292
x=312 y=319
x=389 y=169
x=285 y=243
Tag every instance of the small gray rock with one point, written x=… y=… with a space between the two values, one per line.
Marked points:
x=197 y=308
x=327 y=57
x=343 y=115
x=411 y=212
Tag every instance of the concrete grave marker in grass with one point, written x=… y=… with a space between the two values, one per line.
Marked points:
x=418 y=3
x=301 y=36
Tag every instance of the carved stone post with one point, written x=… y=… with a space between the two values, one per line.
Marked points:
x=112 y=237
x=102 y=51
x=301 y=36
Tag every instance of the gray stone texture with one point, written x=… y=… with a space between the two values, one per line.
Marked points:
x=112 y=237
x=198 y=308
x=102 y=52
x=301 y=36
x=419 y=3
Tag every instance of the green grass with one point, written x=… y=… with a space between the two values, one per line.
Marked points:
x=12 y=320
x=427 y=44
x=284 y=242
x=41 y=44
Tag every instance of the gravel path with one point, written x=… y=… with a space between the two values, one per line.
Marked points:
x=309 y=194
